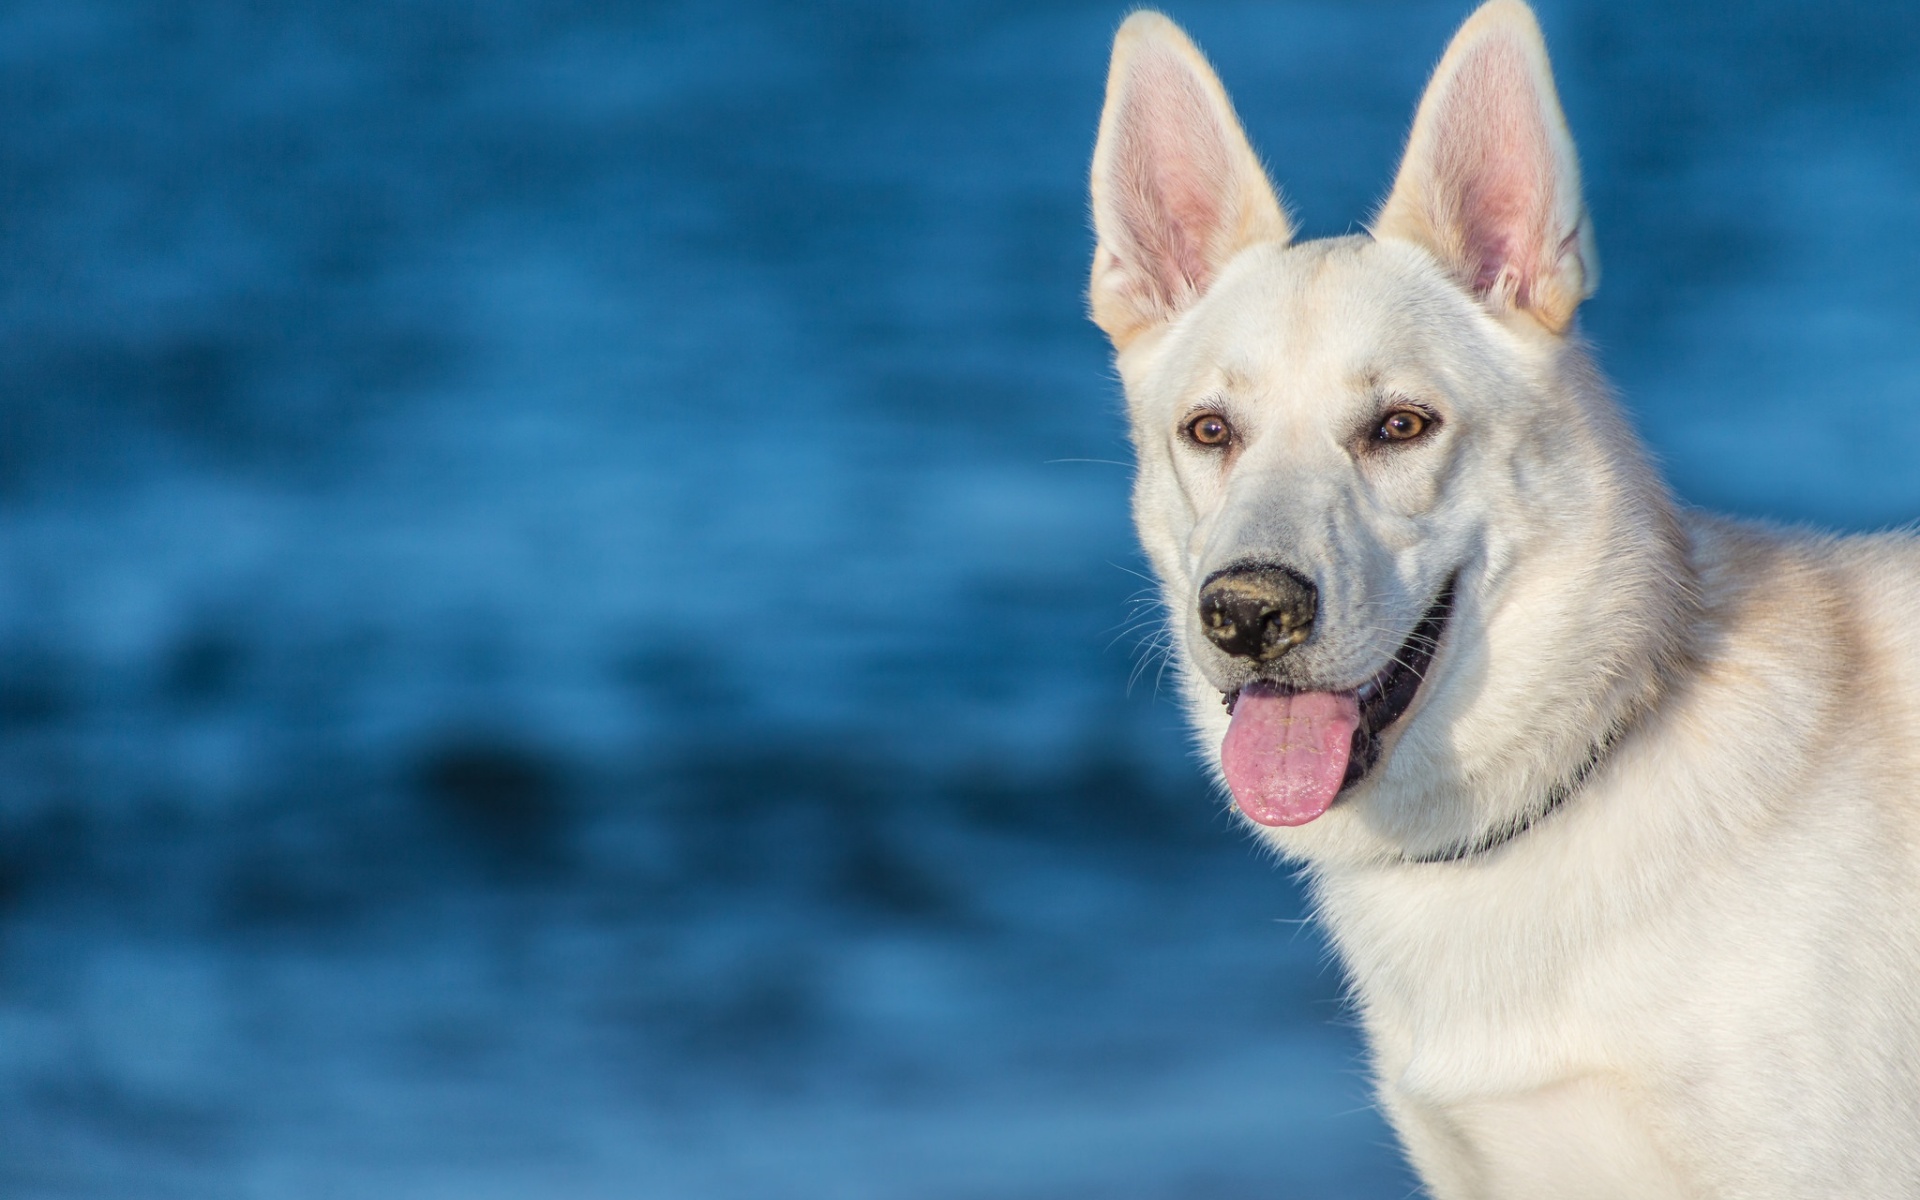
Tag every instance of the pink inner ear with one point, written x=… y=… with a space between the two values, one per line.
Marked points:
x=1172 y=169
x=1496 y=165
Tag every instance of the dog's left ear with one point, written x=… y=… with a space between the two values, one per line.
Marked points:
x=1490 y=182
x=1177 y=191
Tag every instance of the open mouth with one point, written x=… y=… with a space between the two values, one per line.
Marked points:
x=1288 y=754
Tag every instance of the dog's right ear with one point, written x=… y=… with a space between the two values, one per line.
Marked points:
x=1177 y=191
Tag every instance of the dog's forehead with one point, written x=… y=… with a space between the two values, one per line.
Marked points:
x=1331 y=311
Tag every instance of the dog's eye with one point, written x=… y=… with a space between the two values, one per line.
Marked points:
x=1403 y=425
x=1210 y=429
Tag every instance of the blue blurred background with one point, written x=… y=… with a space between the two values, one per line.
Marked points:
x=567 y=619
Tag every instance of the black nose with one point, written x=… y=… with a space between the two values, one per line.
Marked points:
x=1257 y=612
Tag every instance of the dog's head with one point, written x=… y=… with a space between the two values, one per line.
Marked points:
x=1400 y=529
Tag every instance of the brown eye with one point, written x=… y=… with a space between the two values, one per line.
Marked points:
x=1210 y=429
x=1403 y=425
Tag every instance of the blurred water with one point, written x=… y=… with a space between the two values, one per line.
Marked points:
x=564 y=578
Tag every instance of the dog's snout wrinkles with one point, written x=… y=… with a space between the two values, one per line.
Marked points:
x=1257 y=612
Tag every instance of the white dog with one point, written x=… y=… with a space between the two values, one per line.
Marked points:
x=1610 y=805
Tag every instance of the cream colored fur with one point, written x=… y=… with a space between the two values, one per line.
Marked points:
x=1700 y=977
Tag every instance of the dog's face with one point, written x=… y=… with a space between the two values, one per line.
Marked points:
x=1311 y=413
x=1345 y=446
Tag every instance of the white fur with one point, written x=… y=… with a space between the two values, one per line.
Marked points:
x=1700 y=977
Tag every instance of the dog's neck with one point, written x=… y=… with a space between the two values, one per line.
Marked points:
x=1556 y=797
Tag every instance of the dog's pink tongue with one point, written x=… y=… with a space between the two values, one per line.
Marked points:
x=1285 y=754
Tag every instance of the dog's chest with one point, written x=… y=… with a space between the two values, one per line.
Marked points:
x=1520 y=1100
x=1511 y=1064
x=1580 y=1138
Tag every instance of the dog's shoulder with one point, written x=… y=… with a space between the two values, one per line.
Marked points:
x=1824 y=631
x=1820 y=590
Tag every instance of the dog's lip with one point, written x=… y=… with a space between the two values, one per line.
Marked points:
x=1386 y=696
